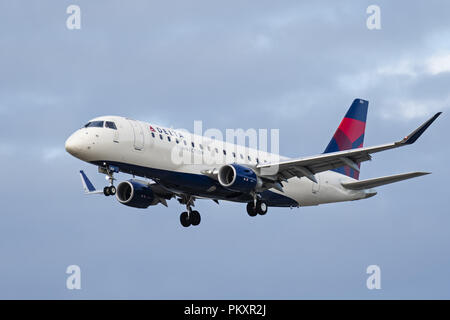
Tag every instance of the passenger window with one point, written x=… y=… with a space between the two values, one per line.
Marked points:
x=160 y=136
x=193 y=146
x=177 y=141
x=249 y=159
x=168 y=138
x=242 y=157
x=185 y=142
x=234 y=154
x=111 y=125
x=224 y=152
x=201 y=147
x=153 y=134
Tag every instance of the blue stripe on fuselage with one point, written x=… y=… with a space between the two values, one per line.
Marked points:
x=197 y=184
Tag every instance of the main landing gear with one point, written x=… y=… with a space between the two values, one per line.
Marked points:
x=189 y=217
x=257 y=207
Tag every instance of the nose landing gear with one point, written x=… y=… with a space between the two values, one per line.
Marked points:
x=109 y=171
x=109 y=191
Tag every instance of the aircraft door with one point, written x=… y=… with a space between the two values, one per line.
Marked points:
x=116 y=136
x=138 y=135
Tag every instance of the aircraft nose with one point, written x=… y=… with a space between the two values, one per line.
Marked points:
x=73 y=145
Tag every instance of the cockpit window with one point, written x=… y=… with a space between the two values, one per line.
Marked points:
x=111 y=125
x=94 y=124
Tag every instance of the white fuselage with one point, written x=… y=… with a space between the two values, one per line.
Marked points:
x=137 y=145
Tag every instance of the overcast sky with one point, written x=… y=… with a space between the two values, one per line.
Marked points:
x=289 y=65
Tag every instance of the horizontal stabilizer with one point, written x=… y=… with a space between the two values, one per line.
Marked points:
x=376 y=182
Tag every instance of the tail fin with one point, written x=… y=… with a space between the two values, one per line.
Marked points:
x=350 y=134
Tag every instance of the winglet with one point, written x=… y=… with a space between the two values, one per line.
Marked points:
x=413 y=136
x=87 y=184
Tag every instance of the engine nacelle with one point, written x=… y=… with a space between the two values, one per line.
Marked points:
x=135 y=194
x=238 y=178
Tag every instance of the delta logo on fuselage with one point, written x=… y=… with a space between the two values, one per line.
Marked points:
x=166 y=131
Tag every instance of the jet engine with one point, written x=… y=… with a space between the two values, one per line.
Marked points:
x=136 y=194
x=238 y=178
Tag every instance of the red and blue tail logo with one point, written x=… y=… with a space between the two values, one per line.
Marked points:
x=350 y=133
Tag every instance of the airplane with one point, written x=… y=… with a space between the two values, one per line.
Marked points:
x=229 y=172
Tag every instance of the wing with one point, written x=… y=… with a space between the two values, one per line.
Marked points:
x=87 y=184
x=161 y=193
x=307 y=167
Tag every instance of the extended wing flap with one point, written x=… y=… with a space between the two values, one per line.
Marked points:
x=376 y=182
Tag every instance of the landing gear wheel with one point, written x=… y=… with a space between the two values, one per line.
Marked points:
x=261 y=207
x=184 y=219
x=251 y=210
x=109 y=191
x=195 y=218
